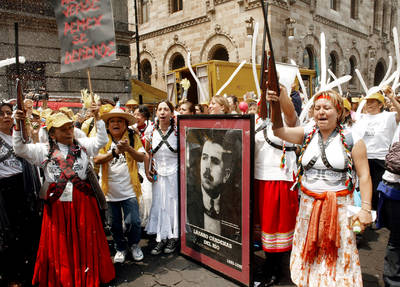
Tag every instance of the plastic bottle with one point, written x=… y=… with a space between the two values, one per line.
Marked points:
x=357 y=226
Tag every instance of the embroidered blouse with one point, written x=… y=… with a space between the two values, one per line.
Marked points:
x=37 y=153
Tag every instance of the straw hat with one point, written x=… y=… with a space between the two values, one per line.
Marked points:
x=46 y=113
x=346 y=104
x=376 y=96
x=57 y=120
x=131 y=102
x=105 y=109
x=67 y=111
x=118 y=113
x=36 y=113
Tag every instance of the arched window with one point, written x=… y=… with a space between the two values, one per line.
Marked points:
x=177 y=61
x=219 y=52
x=146 y=71
x=308 y=58
x=352 y=72
x=379 y=73
x=332 y=62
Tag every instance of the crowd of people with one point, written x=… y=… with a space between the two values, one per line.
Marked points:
x=52 y=227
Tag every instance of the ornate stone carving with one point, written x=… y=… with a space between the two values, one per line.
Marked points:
x=340 y=27
x=177 y=27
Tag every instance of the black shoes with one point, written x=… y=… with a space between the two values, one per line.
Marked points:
x=158 y=248
x=271 y=281
x=171 y=246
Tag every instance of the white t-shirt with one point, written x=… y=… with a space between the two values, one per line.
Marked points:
x=119 y=179
x=10 y=166
x=378 y=131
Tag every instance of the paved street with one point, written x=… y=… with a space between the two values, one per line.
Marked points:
x=175 y=270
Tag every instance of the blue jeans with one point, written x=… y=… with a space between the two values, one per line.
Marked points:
x=130 y=209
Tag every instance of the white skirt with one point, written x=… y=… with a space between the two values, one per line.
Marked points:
x=347 y=271
x=146 y=198
x=163 y=219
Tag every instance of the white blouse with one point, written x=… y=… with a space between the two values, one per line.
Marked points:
x=319 y=178
x=267 y=159
x=10 y=166
x=166 y=161
x=37 y=153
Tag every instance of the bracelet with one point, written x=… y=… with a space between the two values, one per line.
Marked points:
x=366 y=202
x=367 y=210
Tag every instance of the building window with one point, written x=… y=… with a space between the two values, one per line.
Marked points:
x=144 y=11
x=352 y=72
x=354 y=9
x=375 y=14
x=332 y=62
x=379 y=73
x=219 y=52
x=308 y=57
x=392 y=17
x=146 y=71
x=176 y=5
x=177 y=61
x=334 y=4
x=384 y=20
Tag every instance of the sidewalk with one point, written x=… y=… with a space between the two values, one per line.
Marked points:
x=175 y=270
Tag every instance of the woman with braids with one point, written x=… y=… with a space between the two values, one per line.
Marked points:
x=161 y=144
x=324 y=247
x=73 y=249
x=19 y=208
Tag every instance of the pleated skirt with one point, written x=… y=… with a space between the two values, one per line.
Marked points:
x=276 y=209
x=73 y=249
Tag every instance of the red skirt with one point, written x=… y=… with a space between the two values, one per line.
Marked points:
x=73 y=249
x=275 y=213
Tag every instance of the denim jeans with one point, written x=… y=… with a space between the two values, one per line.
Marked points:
x=129 y=208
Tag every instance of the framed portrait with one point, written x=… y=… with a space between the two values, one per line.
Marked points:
x=215 y=189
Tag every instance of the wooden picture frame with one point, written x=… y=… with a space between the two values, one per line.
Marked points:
x=215 y=189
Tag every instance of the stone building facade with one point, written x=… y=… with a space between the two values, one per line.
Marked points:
x=358 y=34
x=39 y=44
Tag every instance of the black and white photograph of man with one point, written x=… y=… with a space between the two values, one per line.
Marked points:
x=213 y=186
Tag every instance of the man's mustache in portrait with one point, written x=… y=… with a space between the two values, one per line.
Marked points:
x=207 y=175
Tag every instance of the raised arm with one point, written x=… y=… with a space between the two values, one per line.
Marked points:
x=33 y=153
x=291 y=134
x=287 y=108
x=94 y=144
